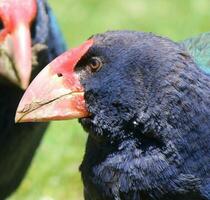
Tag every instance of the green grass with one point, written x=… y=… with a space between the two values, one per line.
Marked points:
x=54 y=174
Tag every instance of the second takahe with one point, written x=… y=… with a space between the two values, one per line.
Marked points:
x=145 y=102
x=29 y=39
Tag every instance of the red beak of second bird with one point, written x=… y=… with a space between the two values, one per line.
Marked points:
x=56 y=93
x=16 y=17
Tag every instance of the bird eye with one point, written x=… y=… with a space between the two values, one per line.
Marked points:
x=95 y=64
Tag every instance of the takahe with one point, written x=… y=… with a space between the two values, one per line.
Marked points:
x=28 y=30
x=145 y=102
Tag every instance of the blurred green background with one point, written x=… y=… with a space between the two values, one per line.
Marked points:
x=54 y=173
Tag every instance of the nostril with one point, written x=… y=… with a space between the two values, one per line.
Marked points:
x=3 y=31
x=1 y=25
x=59 y=75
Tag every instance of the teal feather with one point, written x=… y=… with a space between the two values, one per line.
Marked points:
x=199 y=48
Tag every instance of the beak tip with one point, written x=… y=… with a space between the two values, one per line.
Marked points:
x=24 y=85
x=21 y=48
x=20 y=116
x=17 y=118
x=25 y=79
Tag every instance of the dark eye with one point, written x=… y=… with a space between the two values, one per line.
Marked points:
x=95 y=64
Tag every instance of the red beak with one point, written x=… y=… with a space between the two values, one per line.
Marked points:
x=15 y=39
x=56 y=93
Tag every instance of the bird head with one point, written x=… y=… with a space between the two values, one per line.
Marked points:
x=16 y=17
x=111 y=82
x=144 y=103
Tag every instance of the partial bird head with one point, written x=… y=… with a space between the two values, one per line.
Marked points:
x=111 y=82
x=15 y=39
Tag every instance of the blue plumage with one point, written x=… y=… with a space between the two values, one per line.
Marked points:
x=149 y=130
x=47 y=31
x=58 y=46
